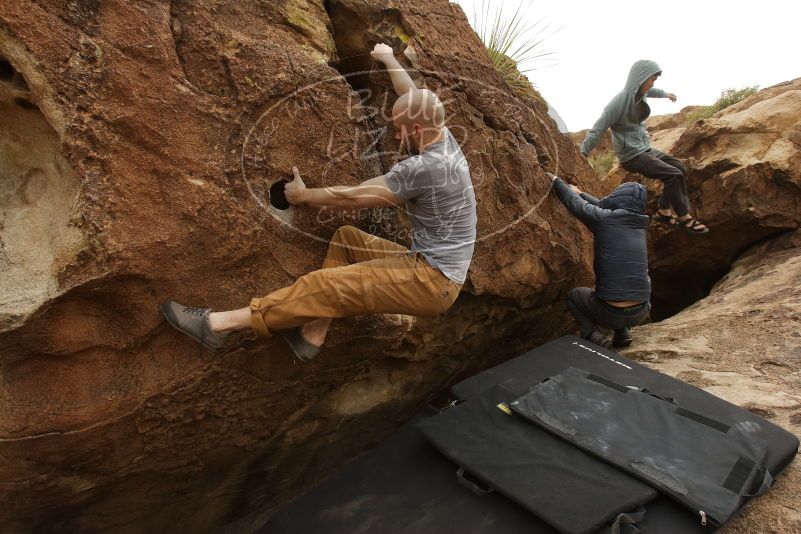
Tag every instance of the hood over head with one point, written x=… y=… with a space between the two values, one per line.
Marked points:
x=641 y=71
x=629 y=196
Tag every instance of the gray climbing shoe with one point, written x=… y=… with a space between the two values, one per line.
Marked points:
x=599 y=338
x=304 y=350
x=622 y=338
x=194 y=322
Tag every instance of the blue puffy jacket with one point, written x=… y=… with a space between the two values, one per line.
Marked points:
x=620 y=227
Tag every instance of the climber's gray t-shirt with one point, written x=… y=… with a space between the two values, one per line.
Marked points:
x=441 y=204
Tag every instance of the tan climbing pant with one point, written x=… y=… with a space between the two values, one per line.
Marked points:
x=361 y=274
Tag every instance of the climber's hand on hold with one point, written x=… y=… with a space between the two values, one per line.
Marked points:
x=383 y=53
x=401 y=81
x=295 y=190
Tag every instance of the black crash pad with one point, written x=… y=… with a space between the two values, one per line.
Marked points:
x=406 y=486
x=566 y=487
x=402 y=486
x=521 y=374
x=709 y=466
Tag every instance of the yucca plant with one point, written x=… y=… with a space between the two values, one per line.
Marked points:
x=514 y=47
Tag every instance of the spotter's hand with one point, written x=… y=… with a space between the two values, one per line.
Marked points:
x=382 y=53
x=575 y=189
x=671 y=96
x=295 y=190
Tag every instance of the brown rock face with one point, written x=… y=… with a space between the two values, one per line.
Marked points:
x=656 y=123
x=744 y=183
x=743 y=344
x=139 y=144
x=604 y=144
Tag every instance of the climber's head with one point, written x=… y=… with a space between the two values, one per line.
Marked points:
x=629 y=196
x=642 y=75
x=418 y=116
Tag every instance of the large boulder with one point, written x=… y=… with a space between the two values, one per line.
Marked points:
x=743 y=344
x=140 y=142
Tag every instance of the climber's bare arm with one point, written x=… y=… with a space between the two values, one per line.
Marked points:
x=373 y=193
x=401 y=80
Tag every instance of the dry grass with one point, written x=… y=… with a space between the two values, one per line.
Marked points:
x=726 y=99
x=602 y=163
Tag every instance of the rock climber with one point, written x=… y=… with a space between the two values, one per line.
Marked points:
x=625 y=114
x=362 y=273
x=621 y=298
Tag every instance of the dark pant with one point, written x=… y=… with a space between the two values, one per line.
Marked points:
x=591 y=312
x=660 y=166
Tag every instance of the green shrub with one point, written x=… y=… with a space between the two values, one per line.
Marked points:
x=602 y=163
x=726 y=99
x=514 y=48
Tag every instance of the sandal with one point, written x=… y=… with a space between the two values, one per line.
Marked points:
x=667 y=220
x=693 y=226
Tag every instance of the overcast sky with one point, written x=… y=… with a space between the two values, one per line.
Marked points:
x=702 y=46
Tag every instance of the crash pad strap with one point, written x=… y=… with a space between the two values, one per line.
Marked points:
x=608 y=383
x=626 y=523
x=704 y=420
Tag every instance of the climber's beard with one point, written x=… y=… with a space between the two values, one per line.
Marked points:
x=408 y=146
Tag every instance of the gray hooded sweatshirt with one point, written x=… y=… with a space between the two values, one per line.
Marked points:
x=626 y=115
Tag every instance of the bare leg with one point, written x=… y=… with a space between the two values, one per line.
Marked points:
x=315 y=331
x=230 y=321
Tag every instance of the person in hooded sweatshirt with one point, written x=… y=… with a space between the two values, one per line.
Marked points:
x=625 y=114
x=621 y=298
